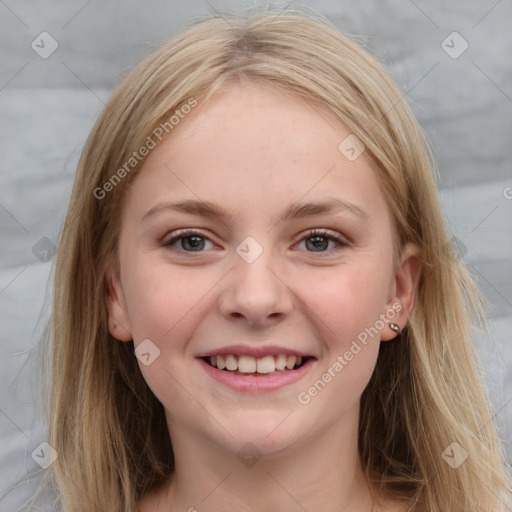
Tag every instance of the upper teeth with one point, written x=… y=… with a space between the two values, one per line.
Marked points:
x=249 y=364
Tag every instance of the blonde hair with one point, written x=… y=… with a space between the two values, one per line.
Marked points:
x=426 y=393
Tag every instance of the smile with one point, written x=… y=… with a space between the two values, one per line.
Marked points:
x=257 y=366
x=254 y=375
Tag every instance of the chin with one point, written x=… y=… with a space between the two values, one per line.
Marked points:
x=271 y=433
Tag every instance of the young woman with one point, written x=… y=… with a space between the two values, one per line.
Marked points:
x=256 y=307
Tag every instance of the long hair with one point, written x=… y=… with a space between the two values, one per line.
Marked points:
x=426 y=393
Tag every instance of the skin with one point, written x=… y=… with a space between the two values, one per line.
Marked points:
x=253 y=152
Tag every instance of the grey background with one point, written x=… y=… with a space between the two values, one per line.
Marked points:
x=48 y=107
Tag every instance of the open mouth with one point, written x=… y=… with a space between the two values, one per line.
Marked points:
x=256 y=366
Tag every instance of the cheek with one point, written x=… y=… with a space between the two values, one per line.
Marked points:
x=162 y=298
x=345 y=307
x=346 y=300
x=165 y=305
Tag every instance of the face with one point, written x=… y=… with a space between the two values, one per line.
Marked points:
x=288 y=254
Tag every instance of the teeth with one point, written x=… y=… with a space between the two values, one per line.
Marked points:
x=266 y=365
x=246 y=364
x=249 y=364
x=280 y=362
x=231 y=362
x=290 y=362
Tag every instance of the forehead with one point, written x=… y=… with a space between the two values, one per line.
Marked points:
x=253 y=149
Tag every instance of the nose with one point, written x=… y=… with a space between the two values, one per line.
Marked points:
x=255 y=293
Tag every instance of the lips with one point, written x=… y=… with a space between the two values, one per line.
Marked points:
x=256 y=383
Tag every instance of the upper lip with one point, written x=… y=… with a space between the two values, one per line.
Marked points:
x=247 y=350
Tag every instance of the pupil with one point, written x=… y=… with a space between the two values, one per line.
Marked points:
x=318 y=242
x=193 y=242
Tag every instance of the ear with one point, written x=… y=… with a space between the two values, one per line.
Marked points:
x=119 y=324
x=403 y=292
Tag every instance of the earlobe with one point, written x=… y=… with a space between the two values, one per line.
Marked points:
x=406 y=281
x=119 y=324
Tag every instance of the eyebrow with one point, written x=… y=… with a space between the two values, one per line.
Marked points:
x=293 y=211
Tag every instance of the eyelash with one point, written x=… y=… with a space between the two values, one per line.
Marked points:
x=185 y=233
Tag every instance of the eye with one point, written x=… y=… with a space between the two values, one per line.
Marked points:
x=318 y=240
x=189 y=241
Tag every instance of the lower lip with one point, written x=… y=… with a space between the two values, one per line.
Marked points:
x=250 y=383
